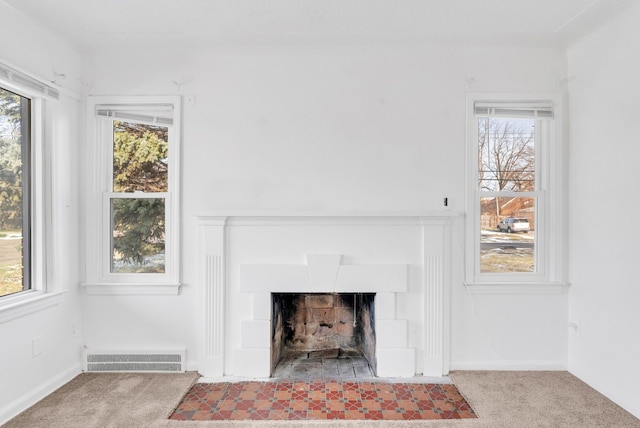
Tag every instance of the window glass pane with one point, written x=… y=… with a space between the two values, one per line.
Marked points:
x=140 y=157
x=506 y=155
x=138 y=235
x=507 y=235
x=14 y=192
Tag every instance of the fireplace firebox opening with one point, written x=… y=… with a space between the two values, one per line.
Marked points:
x=337 y=325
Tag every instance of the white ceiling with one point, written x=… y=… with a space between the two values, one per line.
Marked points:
x=91 y=23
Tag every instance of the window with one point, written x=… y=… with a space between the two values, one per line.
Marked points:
x=15 y=193
x=28 y=110
x=514 y=167
x=133 y=229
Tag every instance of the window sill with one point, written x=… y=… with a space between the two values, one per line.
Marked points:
x=516 y=288
x=127 y=289
x=13 y=307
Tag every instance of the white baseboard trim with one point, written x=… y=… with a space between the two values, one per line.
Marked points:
x=509 y=365
x=22 y=403
x=627 y=402
x=191 y=366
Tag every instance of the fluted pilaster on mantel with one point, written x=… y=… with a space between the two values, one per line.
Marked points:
x=212 y=295
x=435 y=243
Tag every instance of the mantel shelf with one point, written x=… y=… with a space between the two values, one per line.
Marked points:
x=328 y=214
x=256 y=218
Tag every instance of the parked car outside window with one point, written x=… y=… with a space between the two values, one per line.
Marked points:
x=511 y=224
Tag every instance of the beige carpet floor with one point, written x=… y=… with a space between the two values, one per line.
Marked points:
x=501 y=399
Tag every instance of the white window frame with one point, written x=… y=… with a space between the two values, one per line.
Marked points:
x=549 y=205
x=164 y=111
x=43 y=292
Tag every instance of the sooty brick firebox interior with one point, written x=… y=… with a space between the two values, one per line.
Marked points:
x=338 y=324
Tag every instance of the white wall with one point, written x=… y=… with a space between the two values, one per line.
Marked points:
x=23 y=377
x=355 y=126
x=358 y=126
x=604 y=296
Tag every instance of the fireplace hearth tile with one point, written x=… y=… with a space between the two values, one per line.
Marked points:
x=326 y=400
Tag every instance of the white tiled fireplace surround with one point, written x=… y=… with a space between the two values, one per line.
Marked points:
x=402 y=258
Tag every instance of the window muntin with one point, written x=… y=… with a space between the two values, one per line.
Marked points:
x=15 y=193
x=514 y=152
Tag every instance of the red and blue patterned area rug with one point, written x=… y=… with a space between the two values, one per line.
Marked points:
x=314 y=400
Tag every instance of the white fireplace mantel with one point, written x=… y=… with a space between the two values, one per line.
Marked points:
x=255 y=275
